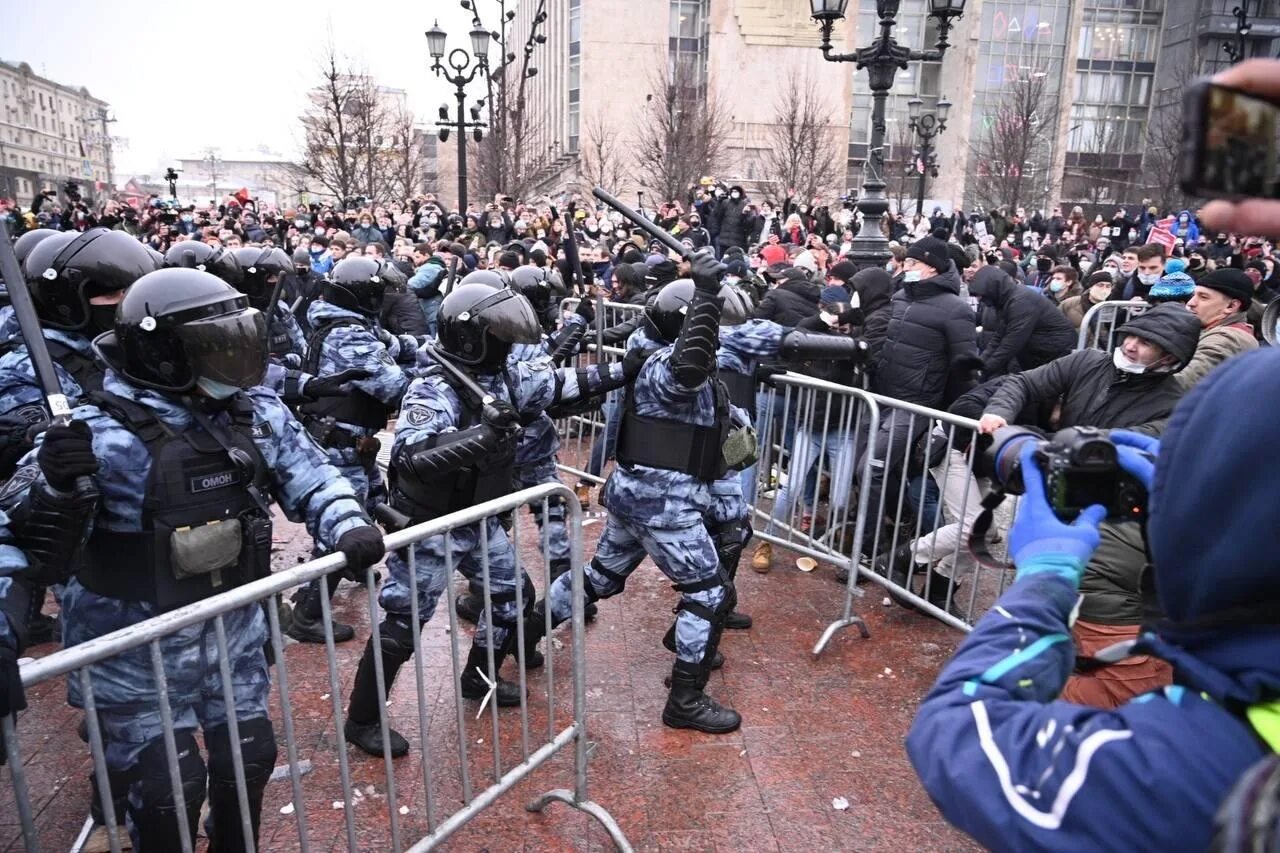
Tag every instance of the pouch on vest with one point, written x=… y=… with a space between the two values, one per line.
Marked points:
x=206 y=550
x=741 y=448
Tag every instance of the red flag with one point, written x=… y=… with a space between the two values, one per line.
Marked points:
x=242 y=196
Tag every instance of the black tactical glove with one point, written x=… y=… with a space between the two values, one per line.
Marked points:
x=67 y=453
x=850 y=317
x=362 y=547
x=12 y=698
x=632 y=362
x=766 y=372
x=706 y=272
x=500 y=417
x=331 y=386
x=586 y=309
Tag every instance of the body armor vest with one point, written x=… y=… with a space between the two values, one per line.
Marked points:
x=459 y=489
x=279 y=342
x=672 y=444
x=741 y=388
x=206 y=527
x=355 y=407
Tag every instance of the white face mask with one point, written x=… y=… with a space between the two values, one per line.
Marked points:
x=1149 y=279
x=1125 y=364
x=889 y=268
x=1100 y=293
x=216 y=390
x=914 y=275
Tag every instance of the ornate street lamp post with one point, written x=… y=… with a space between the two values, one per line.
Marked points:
x=882 y=59
x=927 y=126
x=465 y=68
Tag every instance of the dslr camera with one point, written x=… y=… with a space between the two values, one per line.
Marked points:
x=1080 y=466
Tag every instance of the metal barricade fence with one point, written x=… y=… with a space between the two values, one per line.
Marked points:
x=900 y=497
x=1099 y=325
x=523 y=753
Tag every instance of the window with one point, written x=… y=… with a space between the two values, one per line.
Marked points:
x=575 y=74
x=688 y=31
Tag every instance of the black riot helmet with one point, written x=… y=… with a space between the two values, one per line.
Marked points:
x=665 y=312
x=181 y=328
x=64 y=274
x=479 y=323
x=258 y=265
x=493 y=278
x=531 y=282
x=192 y=254
x=24 y=244
x=358 y=284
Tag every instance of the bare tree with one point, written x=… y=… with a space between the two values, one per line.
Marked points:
x=1100 y=176
x=680 y=134
x=344 y=130
x=801 y=151
x=603 y=157
x=406 y=162
x=901 y=177
x=1016 y=146
x=1162 y=159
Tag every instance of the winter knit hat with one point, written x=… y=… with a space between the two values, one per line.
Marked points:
x=931 y=251
x=1173 y=287
x=1101 y=277
x=806 y=261
x=736 y=266
x=844 y=271
x=1175 y=265
x=1232 y=282
x=834 y=295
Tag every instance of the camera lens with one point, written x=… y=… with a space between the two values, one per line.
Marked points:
x=1002 y=458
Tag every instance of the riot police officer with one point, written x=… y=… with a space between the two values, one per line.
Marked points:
x=452 y=451
x=76 y=281
x=184 y=347
x=677 y=437
x=264 y=270
x=346 y=337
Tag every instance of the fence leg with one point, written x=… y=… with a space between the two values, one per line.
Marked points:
x=602 y=816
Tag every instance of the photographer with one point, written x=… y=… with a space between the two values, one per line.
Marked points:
x=1018 y=770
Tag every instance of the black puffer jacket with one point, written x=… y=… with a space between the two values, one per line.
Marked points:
x=795 y=298
x=733 y=222
x=1026 y=331
x=930 y=343
x=1094 y=393
x=875 y=290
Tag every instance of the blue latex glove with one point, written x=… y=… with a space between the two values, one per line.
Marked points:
x=1136 y=453
x=1040 y=541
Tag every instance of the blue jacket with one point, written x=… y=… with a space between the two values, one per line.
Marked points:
x=1018 y=770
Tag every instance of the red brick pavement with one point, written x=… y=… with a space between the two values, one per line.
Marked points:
x=814 y=729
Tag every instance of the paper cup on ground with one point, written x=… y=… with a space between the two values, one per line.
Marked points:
x=806 y=564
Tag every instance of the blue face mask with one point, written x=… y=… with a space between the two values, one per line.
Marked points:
x=216 y=390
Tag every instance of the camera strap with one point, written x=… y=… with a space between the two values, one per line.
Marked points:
x=978 y=533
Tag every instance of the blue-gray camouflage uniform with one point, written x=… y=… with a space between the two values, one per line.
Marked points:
x=308 y=489
x=432 y=407
x=13 y=590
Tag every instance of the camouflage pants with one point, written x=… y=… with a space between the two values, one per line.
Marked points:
x=553 y=524
x=686 y=555
x=465 y=550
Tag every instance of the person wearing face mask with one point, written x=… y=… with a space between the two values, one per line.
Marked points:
x=731 y=220
x=184 y=357
x=1147 y=269
x=1039 y=280
x=1064 y=283
x=1220 y=249
x=1098 y=290
x=365 y=232
x=1220 y=301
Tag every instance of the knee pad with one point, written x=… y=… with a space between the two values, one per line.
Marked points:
x=152 y=773
x=714 y=615
x=397 y=638
x=619 y=579
x=257 y=752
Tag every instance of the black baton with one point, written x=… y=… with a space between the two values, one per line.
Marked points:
x=649 y=227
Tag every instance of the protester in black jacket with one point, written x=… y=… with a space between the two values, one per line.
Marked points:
x=1100 y=388
x=795 y=298
x=731 y=220
x=875 y=290
x=1026 y=330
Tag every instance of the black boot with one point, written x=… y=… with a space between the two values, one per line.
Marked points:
x=307 y=625
x=735 y=621
x=362 y=727
x=560 y=567
x=669 y=643
x=474 y=685
x=689 y=708
x=940 y=588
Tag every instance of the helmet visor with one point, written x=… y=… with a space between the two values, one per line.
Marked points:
x=231 y=348
x=509 y=317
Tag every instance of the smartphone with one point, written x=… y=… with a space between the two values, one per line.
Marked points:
x=1231 y=142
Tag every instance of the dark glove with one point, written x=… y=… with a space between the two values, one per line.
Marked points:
x=850 y=317
x=766 y=372
x=500 y=417
x=706 y=272
x=67 y=453
x=329 y=386
x=362 y=547
x=586 y=309
x=632 y=362
x=12 y=698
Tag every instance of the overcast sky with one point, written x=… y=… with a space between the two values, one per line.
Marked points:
x=181 y=77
